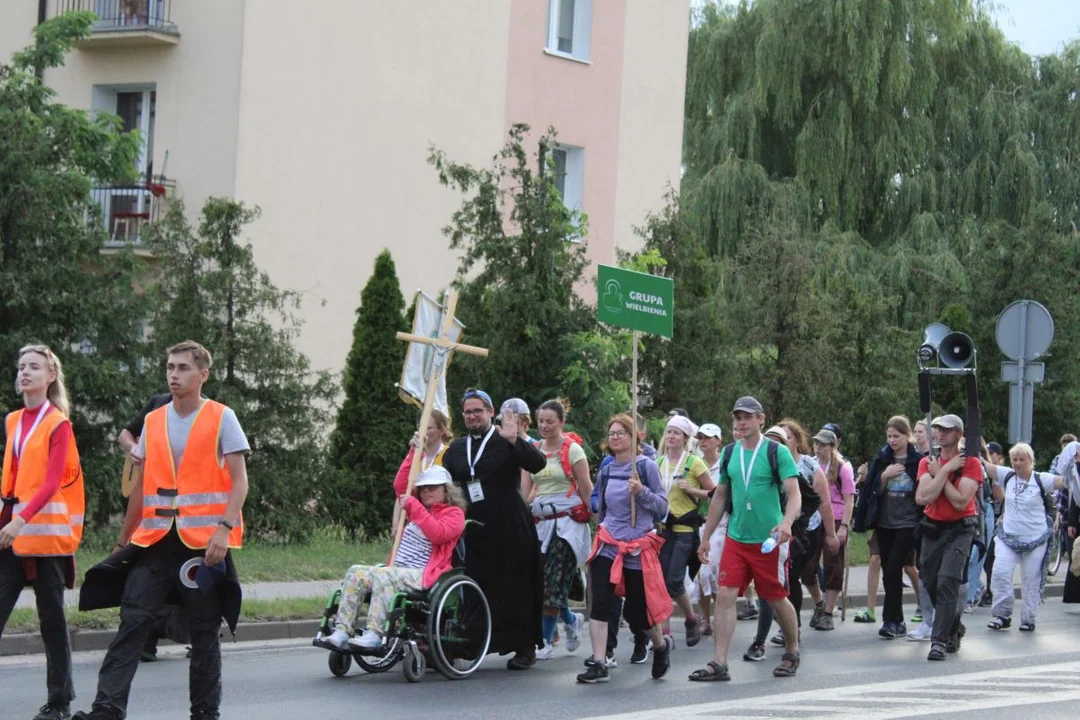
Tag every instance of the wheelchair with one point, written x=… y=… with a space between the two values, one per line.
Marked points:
x=447 y=625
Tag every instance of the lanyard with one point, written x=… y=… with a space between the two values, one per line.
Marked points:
x=434 y=459
x=479 y=453
x=19 y=447
x=669 y=473
x=742 y=462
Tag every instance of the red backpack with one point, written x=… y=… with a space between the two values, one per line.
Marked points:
x=564 y=459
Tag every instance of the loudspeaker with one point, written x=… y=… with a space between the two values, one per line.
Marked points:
x=932 y=337
x=956 y=350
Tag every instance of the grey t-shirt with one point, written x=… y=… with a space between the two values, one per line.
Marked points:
x=897 y=508
x=231 y=439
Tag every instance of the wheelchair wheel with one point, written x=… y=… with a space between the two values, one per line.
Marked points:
x=1055 y=551
x=339 y=663
x=414 y=665
x=459 y=627
x=381 y=663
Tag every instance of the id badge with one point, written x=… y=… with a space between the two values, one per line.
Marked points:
x=476 y=493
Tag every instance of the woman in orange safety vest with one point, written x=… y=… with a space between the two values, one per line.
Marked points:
x=41 y=523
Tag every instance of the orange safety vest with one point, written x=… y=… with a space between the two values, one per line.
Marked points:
x=195 y=496
x=58 y=526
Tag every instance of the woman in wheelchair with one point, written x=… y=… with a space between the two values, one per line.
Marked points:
x=436 y=521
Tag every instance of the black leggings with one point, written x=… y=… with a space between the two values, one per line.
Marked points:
x=895 y=545
x=795 y=595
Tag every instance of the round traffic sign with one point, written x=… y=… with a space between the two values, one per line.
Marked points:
x=1024 y=330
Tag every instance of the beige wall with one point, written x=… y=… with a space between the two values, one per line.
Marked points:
x=17 y=21
x=338 y=106
x=651 y=117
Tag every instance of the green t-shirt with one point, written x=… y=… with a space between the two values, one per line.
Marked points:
x=552 y=480
x=679 y=503
x=754 y=525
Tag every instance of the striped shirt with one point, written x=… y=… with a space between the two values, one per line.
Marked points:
x=415 y=550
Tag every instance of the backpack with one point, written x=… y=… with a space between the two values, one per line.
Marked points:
x=564 y=459
x=1049 y=506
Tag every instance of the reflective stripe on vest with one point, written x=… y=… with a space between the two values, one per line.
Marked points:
x=57 y=527
x=193 y=497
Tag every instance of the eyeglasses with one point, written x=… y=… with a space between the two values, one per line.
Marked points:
x=474 y=411
x=617 y=435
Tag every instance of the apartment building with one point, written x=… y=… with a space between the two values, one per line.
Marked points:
x=322 y=112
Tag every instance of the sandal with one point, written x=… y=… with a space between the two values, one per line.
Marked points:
x=787 y=667
x=1027 y=627
x=712 y=672
x=999 y=623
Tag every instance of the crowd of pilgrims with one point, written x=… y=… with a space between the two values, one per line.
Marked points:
x=709 y=515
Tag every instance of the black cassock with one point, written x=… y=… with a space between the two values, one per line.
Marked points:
x=503 y=555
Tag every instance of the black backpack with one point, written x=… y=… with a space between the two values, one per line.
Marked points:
x=1049 y=506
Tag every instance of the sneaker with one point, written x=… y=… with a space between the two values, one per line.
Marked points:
x=890 y=631
x=920 y=633
x=573 y=633
x=661 y=658
x=778 y=639
x=815 y=619
x=339 y=639
x=93 y=715
x=48 y=711
x=546 y=653
x=953 y=644
x=594 y=673
x=610 y=661
x=693 y=632
x=866 y=615
x=369 y=640
x=917 y=616
x=641 y=652
x=937 y=652
x=755 y=653
x=669 y=640
x=147 y=656
x=987 y=599
x=749 y=611
x=826 y=622
x=969 y=608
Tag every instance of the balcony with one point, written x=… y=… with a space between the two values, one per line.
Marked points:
x=128 y=210
x=125 y=23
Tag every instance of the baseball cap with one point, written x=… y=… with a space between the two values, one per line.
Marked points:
x=778 y=432
x=710 y=430
x=748 y=404
x=472 y=393
x=434 y=475
x=825 y=437
x=995 y=447
x=515 y=405
x=948 y=422
x=835 y=430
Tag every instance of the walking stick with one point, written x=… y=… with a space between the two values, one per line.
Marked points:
x=843 y=596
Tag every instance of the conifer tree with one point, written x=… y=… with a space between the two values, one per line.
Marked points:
x=373 y=425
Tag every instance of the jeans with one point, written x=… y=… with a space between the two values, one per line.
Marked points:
x=978 y=559
x=49 y=592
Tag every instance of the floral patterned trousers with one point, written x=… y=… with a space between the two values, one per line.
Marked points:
x=382 y=583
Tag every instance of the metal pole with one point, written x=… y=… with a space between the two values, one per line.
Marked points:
x=1021 y=362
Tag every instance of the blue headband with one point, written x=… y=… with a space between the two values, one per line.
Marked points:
x=471 y=394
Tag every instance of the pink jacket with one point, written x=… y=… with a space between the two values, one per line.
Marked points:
x=443 y=525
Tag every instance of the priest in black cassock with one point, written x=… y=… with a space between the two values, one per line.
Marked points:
x=503 y=554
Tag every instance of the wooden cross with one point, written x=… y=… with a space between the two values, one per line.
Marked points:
x=443 y=346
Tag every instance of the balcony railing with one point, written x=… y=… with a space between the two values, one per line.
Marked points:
x=126 y=23
x=128 y=210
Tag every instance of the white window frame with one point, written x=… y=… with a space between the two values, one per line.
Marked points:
x=581 y=40
x=573 y=193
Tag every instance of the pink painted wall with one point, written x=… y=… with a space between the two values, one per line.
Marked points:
x=581 y=101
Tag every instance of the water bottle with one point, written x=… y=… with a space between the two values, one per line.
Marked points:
x=769 y=545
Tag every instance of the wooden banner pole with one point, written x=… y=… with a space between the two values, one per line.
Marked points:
x=634 y=433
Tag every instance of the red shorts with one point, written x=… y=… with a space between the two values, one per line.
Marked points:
x=741 y=562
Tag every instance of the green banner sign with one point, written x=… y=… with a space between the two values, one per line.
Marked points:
x=634 y=300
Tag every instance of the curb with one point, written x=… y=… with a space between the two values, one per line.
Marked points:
x=31 y=644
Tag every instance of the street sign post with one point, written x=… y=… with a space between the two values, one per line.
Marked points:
x=1024 y=332
x=642 y=303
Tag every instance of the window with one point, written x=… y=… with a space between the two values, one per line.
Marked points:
x=569 y=28
x=568 y=168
